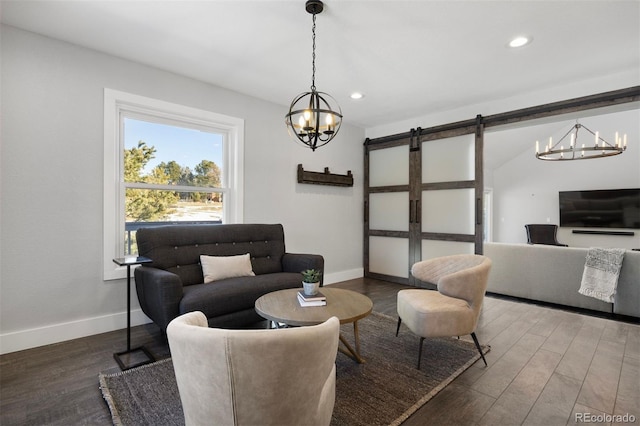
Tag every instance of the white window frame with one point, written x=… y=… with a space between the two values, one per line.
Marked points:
x=117 y=104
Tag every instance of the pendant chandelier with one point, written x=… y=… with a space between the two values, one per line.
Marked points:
x=314 y=117
x=595 y=147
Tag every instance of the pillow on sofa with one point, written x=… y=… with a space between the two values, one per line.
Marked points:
x=216 y=268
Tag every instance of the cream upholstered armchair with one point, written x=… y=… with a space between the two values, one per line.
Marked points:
x=254 y=377
x=451 y=310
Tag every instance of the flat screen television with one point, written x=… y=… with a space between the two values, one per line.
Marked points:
x=607 y=208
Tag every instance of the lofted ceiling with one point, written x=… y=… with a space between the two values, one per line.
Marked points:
x=409 y=58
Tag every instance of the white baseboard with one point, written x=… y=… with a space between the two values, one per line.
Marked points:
x=32 y=338
x=337 y=277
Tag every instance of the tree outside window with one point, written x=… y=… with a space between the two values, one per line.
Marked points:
x=166 y=163
x=152 y=168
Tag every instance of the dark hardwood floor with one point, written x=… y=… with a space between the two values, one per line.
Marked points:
x=545 y=367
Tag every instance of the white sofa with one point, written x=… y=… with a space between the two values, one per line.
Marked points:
x=553 y=274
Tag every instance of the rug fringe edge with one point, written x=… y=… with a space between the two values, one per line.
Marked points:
x=106 y=395
x=422 y=401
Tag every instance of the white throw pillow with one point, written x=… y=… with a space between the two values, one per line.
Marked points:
x=216 y=268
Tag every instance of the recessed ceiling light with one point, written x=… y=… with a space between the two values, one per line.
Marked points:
x=357 y=95
x=520 y=41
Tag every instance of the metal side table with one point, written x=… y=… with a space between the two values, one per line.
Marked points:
x=137 y=356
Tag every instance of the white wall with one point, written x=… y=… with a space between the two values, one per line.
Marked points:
x=526 y=189
x=51 y=285
x=51 y=180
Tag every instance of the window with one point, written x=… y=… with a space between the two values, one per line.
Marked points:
x=166 y=163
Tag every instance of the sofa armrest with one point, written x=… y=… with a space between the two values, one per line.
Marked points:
x=295 y=262
x=159 y=293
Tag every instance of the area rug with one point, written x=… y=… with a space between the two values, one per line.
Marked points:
x=385 y=390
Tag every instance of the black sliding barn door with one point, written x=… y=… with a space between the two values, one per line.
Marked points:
x=423 y=198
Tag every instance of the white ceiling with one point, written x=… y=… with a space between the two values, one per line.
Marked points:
x=409 y=58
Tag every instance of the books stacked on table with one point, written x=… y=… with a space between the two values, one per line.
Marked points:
x=317 y=299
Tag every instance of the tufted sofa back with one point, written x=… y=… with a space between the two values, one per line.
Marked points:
x=177 y=248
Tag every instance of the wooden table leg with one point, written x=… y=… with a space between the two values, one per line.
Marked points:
x=355 y=354
x=357 y=337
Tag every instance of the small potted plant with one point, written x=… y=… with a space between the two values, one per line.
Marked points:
x=310 y=281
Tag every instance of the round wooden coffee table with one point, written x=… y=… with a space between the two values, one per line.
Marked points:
x=349 y=306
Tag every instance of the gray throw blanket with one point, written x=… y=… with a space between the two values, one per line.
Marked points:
x=601 y=270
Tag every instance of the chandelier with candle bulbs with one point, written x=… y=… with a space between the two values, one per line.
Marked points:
x=594 y=147
x=314 y=117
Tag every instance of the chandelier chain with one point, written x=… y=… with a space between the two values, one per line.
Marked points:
x=314 y=118
x=313 y=55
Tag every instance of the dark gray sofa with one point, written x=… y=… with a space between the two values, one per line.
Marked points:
x=173 y=284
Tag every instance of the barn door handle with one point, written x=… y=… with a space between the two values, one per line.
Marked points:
x=411 y=212
x=366 y=212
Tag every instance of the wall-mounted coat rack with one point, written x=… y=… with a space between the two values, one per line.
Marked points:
x=326 y=178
